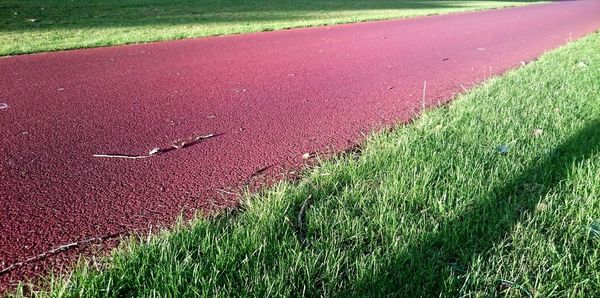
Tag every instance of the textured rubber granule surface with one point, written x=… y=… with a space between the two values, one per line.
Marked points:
x=268 y=97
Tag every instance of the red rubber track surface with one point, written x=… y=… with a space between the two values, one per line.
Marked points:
x=271 y=96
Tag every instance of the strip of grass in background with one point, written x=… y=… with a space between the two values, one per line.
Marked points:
x=496 y=193
x=48 y=25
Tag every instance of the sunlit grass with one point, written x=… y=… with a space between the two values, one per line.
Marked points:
x=48 y=25
x=427 y=209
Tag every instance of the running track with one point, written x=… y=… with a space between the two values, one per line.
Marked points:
x=270 y=97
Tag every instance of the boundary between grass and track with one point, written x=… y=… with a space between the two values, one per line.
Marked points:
x=34 y=29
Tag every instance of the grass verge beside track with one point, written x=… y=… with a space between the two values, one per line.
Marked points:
x=496 y=193
x=48 y=25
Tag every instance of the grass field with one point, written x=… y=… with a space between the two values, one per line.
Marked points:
x=495 y=194
x=48 y=25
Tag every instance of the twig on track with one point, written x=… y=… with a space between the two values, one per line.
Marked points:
x=260 y=171
x=122 y=156
x=176 y=145
x=57 y=250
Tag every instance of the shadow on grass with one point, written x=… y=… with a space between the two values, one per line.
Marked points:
x=422 y=268
x=17 y=15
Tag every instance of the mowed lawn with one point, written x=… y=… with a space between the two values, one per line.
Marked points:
x=497 y=193
x=48 y=25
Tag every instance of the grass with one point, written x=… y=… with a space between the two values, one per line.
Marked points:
x=495 y=194
x=48 y=25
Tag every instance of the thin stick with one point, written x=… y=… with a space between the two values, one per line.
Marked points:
x=122 y=156
x=157 y=151
x=56 y=250
x=260 y=171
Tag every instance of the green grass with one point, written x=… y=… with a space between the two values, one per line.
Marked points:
x=432 y=208
x=48 y=25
